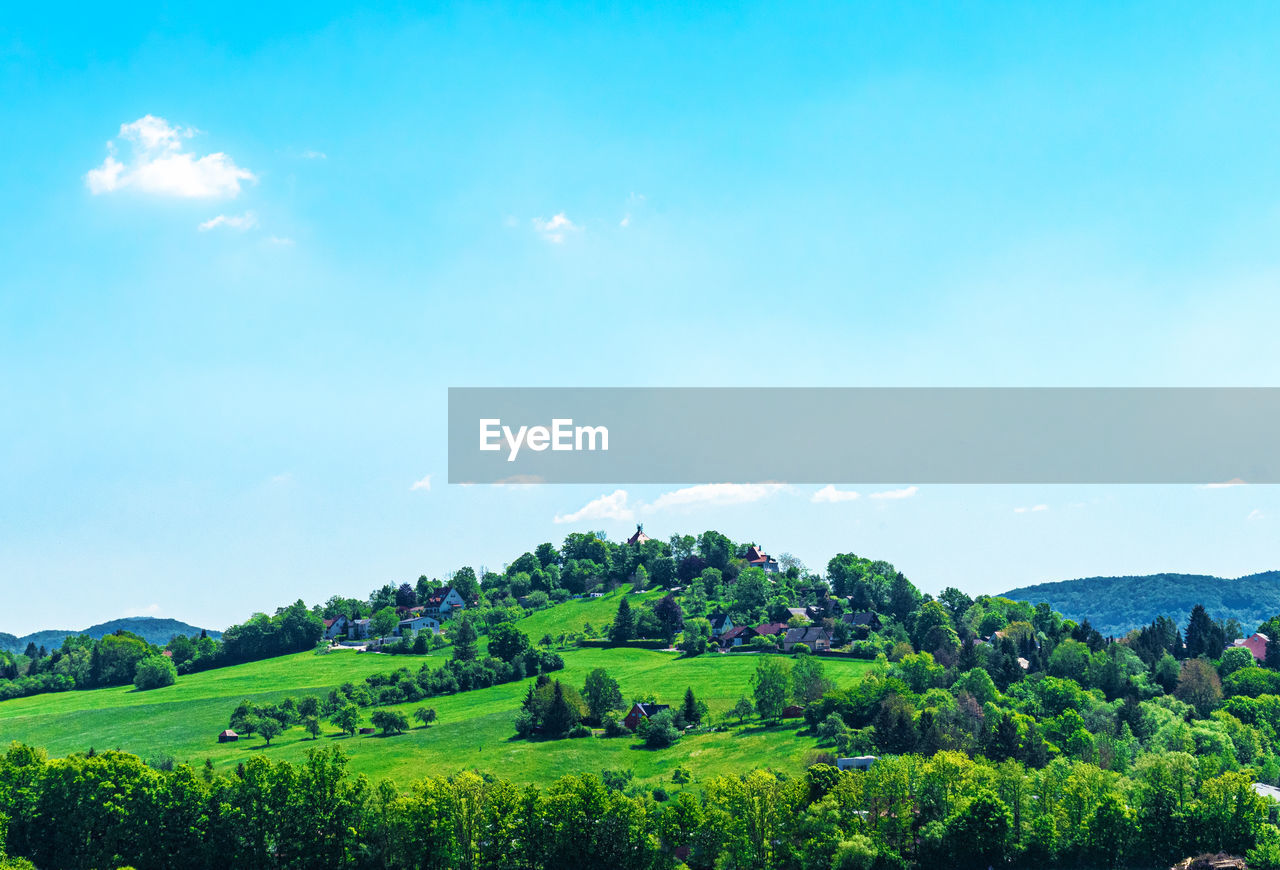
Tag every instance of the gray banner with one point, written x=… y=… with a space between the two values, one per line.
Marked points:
x=863 y=435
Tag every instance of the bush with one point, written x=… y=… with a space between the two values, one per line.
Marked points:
x=800 y=649
x=580 y=730
x=390 y=721
x=614 y=727
x=154 y=672
x=660 y=794
x=661 y=731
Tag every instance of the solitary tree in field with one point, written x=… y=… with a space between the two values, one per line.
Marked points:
x=312 y=724
x=269 y=728
x=769 y=684
x=624 y=624
x=742 y=709
x=347 y=718
x=390 y=721
x=464 y=640
x=425 y=715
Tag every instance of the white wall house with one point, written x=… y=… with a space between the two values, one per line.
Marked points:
x=443 y=603
x=418 y=623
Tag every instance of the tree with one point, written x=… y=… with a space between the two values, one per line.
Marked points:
x=742 y=709
x=1204 y=637
x=312 y=726
x=347 y=718
x=692 y=710
x=425 y=715
x=154 y=672
x=602 y=694
x=406 y=596
x=696 y=634
x=384 y=622
x=933 y=630
x=269 y=728
x=624 y=624
x=769 y=685
x=1199 y=686
x=507 y=642
x=640 y=581
x=670 y=617
x=560 y=715
x=980 y=834
x=464 y=639
x=390 y=721
x=465 y=582
x=808 y=679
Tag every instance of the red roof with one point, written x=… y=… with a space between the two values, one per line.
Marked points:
x=228 y=733
x=771 y=628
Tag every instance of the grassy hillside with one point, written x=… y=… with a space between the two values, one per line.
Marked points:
x=474 y=729
x=1114 y=605
x=150 y=629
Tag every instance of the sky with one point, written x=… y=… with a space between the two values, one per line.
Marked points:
x=246 y=249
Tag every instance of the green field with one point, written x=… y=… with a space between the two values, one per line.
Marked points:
x=474 y=729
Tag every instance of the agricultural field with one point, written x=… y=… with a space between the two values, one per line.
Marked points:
x=474 y=729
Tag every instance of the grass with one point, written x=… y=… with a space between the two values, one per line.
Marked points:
x=474 y=729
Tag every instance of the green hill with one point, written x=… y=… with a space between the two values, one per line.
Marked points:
x=474 y=728
x=1114 y=605
x=150 y=629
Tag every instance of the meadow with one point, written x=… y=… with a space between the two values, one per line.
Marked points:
x=474 y=729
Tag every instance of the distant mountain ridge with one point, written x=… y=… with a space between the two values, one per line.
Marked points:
x=1115 y=605
x=149 y=628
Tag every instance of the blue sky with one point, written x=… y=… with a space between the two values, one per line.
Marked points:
x=199 y=423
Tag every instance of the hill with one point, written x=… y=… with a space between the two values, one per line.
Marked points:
x=150 y=629
x=1114 y=605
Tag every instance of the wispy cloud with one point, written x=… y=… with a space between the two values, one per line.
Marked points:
x=242 y=222
x=714 y=494
x=1256 y=514
x=830 y=495
x=1032 y=509
x=280 y=240
x=1235 y=481
x=906 y=492
x=423 y=484
x=159 y=165
x=555 y=229
x=312 y=154
x=607 y=507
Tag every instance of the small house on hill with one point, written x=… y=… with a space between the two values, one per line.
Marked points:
x=228 y=736
x=640 y=711
x=418 y=623
x=639 y=537
x=737 y=636
x=1256 y=644
x=443 y=603
x=793 y=711
x=720 y=623
x=858 y=762
x=757 y=558
x=769 y=629
x=863 y=618
x=814 y=638
x=336 y=626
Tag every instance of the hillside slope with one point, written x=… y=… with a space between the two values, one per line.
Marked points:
x=150 y=629
x=1114 y=605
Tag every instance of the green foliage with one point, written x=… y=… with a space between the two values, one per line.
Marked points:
x=154 y=672
x=390 y=721
x=769 y=685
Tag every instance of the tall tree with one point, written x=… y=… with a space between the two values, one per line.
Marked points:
x=670 y=617
x=464 y=639
x=624 y=624
x=406 y=596
x=602 y=694
x=769 y=685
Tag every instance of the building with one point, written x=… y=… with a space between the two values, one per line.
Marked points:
x=801 y=612
x=769 y=629
x=720 y=623
x=642 y=711
x=737 y=636
x=359 y=629
x=418 y=623
x=444 y=603
x=859 y=762
x=863 y=618
x=757 y=558
x=339 y=625
x=816 y=639
x=639 y=537
x=228 y=736
x=793 y=711
x=1256 y=644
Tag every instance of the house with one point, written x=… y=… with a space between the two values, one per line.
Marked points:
x=859 y=762
x=640 y=711
x=1267 y=791
x=416 y=624
x=409 y=612
x=1256 y=644
x=720 y=623
x=811 y=636
x=769 y=629
x=793 y=711
x=737 y=636
x=359 y=629
x=757 y=558
x=863 y=618
x=228 y=736
x=443 y=603
x=336 y=626
x=801 y=612
x=639 y=537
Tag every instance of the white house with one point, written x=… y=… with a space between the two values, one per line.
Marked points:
x=720 y=623
x=860 y=762
x=359 y=629
x=336 y=626
x=416 y=624
x=443 y=603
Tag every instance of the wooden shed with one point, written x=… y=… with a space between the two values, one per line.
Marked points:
x=228 y=736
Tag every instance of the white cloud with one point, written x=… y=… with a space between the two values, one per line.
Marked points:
x=312 y=154
x=1235 y=481
x=830 y=495
x=1256 y=514
x=896 y=493
x=625 y=222
x=159 y=165
x=242 y=222
x=423 y=484
x=1031 y=510
x=554 y=229
x=607 y=507
x=280 y=240
x=714 y=494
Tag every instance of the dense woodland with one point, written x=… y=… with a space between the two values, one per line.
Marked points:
x=1006 y=734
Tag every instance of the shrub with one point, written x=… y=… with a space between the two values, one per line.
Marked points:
x=154 y=672
x=580 y=730
x=661 y=731
x=390 y=721
x=660 y=794
x=614 y=727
